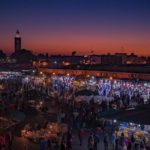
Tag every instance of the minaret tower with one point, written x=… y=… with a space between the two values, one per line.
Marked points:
x=17 y=41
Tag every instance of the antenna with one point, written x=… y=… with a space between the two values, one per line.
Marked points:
x=122 y=49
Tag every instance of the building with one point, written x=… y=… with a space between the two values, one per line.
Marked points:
x=132 y=59
x=96 y=59
x=17 y=41
x=59 y=61
x=91 y=59
x=123 y=57
x=111 y=59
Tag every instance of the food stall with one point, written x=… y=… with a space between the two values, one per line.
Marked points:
x=51 y=131
x=128 y=129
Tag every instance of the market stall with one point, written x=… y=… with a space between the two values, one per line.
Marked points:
x=51 y=131
x=136 y=130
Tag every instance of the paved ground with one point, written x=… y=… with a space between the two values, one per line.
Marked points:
x=21 y=143
x=24 y=144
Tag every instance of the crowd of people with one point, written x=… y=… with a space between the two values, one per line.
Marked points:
x=121 y=92
x=83 y=117
x=6 y=141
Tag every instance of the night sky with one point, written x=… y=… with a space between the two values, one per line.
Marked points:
x=61 y=26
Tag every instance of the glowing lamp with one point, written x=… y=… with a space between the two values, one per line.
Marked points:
x=115 y=121
x=110 y=78
x=131 y=123
x=88 y=75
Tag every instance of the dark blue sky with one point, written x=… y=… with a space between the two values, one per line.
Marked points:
x=60 y=26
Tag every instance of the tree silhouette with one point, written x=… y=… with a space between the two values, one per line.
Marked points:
x=2 y=55
x=74 y=53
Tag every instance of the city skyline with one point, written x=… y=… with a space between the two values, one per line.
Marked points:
x=60 y=27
